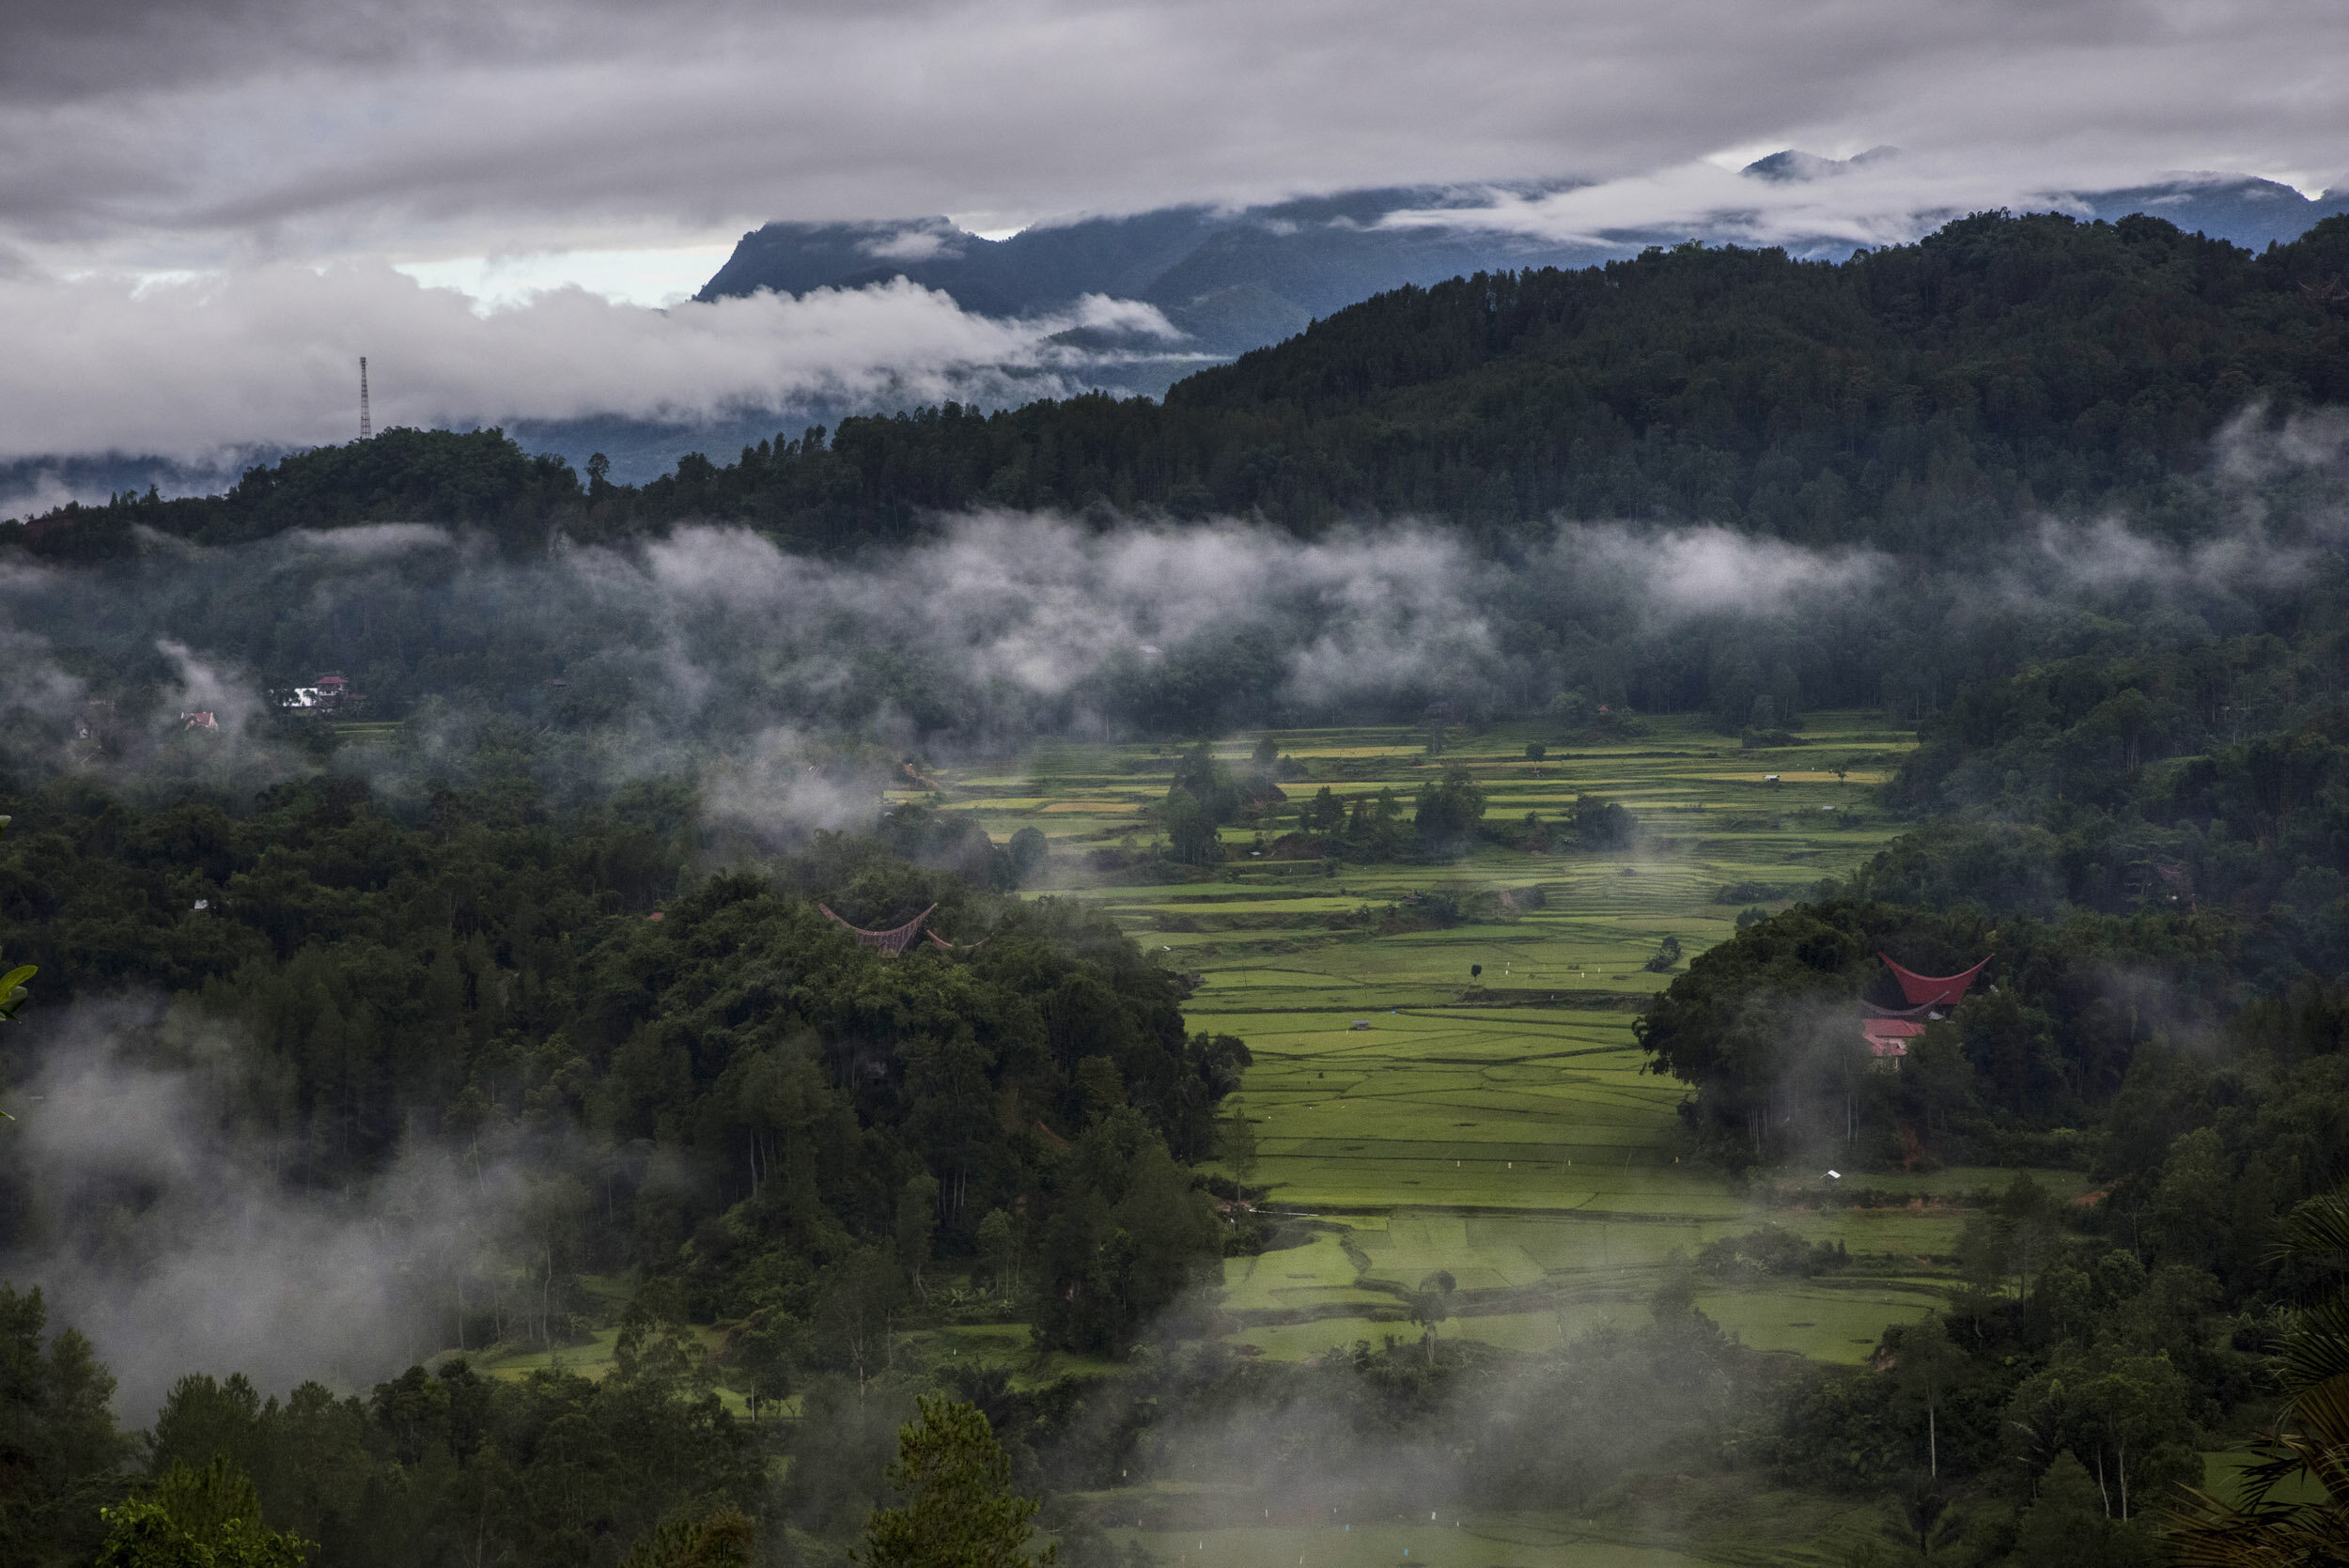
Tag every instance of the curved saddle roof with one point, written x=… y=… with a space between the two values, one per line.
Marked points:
x=1926 y=991
x=895 y=939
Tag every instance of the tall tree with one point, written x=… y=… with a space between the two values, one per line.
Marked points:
x=199 y=1518
x=2310 y=1440
x=13 y=992
x=1925 y=1365
x=1235 y=1140
x=60 y=1456
x=960 y=1509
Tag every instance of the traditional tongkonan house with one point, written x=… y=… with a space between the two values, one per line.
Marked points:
x=1888 y=1029
x=893 y=942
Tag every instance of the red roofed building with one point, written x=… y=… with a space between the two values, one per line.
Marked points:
x=1887 y=1038
x=1925 y=990
x=1888 y=1029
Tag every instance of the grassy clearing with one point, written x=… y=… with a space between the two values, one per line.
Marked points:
x=1481 y=1542
x=2223 y=1477
x=1497 y=1125
x=1006 y=1345
x=1710 y=1522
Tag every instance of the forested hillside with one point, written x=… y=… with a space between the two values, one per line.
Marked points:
x=2147 y=858
x=1915 y=398
x=490 y=968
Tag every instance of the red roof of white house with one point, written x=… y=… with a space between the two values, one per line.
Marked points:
x=1889 y=1036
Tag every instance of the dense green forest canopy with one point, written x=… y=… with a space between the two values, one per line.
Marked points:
x=692 y=1078
x=715 y=1084
x=1915 y=398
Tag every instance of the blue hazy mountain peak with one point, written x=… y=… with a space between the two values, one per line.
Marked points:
x=1793 y=165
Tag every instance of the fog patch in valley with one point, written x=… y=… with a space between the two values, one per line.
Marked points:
x=792 y=684
x=174 y=1234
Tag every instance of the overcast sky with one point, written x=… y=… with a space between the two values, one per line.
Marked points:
x=192 y=148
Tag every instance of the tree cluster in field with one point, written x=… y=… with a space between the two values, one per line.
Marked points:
x=1771 y=1249
x=1446 y=818
x=1764 y=1029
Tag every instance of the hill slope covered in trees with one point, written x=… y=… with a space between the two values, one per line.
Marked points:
x=1913 y=398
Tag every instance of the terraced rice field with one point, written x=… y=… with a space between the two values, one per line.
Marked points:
x=1496 y=1125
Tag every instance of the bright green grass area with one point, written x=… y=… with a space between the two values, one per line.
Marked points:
x=1518 y=1543
x=1826 y=1319
x=1709 y=1524
x=1320 y=1278
x=1007 y=1345
x=1497 y=1125
x=592 y=1360
x=2223 y=1477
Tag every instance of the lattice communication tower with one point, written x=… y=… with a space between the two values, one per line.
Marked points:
x=366 y=424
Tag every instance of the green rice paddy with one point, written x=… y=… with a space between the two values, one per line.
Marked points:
x=1497 y=1125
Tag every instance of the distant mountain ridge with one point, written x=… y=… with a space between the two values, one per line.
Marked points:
x=1231 y=279
x=2253 y=213
x=1237 y=280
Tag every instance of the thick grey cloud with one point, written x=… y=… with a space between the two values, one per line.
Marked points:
x=276 y=122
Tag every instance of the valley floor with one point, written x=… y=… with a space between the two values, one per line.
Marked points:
x=1413 y=1115
x=1498 y=1126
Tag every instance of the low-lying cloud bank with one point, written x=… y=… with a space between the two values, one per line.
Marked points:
x=187 y=368
x=163 y=1227
x=715 y=654
x=714 y=649
x=1880 y=197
